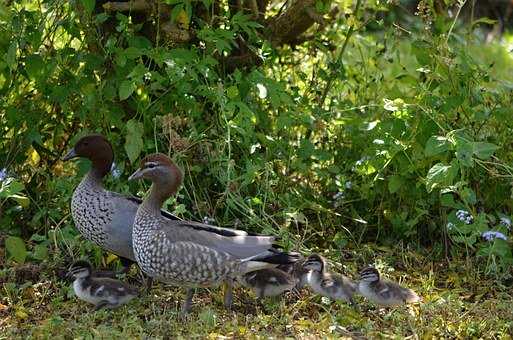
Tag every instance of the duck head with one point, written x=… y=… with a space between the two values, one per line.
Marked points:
x=369 y=274
x=80 y=270
x=97 y=149
x=314 y=263
x=164 y=174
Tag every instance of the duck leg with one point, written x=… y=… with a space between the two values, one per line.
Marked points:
x=228 y=294
x=187 y=304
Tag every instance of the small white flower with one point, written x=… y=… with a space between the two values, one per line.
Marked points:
x=450 y=225
x=490 y=235
x=348 y=185
x=378 y=141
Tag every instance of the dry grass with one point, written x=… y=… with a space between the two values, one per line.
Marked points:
x=458 y=302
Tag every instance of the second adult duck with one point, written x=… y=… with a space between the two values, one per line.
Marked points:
x=177 y=253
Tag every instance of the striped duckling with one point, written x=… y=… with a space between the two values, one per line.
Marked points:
x=384 y=292
x=275 y=281
x=268 y=282
x=325 y=283
x=100 y=291
x=180 y=253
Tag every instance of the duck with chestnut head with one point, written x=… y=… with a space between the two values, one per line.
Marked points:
x=180 y=252
x=105 y=217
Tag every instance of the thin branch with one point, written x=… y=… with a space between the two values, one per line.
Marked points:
x=133 y=6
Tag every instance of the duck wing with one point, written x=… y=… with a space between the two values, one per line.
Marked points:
x=240 y=246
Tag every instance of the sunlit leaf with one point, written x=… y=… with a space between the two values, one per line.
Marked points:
x=436 y=145
x=441 y=175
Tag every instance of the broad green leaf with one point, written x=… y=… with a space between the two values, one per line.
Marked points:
x=126 y=89
x=134 y=140
x=441 y=175
x=88 y=5
x=436 y=145
x=40 y=252
x=16 y=249
x=468 y=195
x=10 y=187
x=447 y=200
x=35 y=66
x=464 y=151
x=394 y=183
x=133 y=52
x=484 y=150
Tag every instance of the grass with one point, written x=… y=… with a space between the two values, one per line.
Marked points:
x=458 y=302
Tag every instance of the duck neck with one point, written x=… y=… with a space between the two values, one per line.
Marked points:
x=159 y=193
x=100 y=167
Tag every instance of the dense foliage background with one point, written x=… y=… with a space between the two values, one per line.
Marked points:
x=383 y=121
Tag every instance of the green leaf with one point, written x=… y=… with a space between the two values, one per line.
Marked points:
x=126 y=89
x=134 y=140
x=40 y=252
x=35 y=66
x=10 y=187
x=88 y=5
x=10 y=56
x=16 y=248
x=441 y=175
x=464 y=151
x=436 y=145
x=232 y=92
x=468 y=195
x=484 y=150
x=394 y=183
x=447 y=200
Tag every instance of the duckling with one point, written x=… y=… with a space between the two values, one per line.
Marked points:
x=384 y=292
x=100 y=291
x=332 y=285
x=268 y=282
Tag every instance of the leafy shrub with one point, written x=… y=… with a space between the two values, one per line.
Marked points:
x=363 y=133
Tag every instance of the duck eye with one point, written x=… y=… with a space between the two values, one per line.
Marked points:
x=150 y=165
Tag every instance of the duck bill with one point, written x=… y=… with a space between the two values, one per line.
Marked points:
x=138 y=174
x=70 y=155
